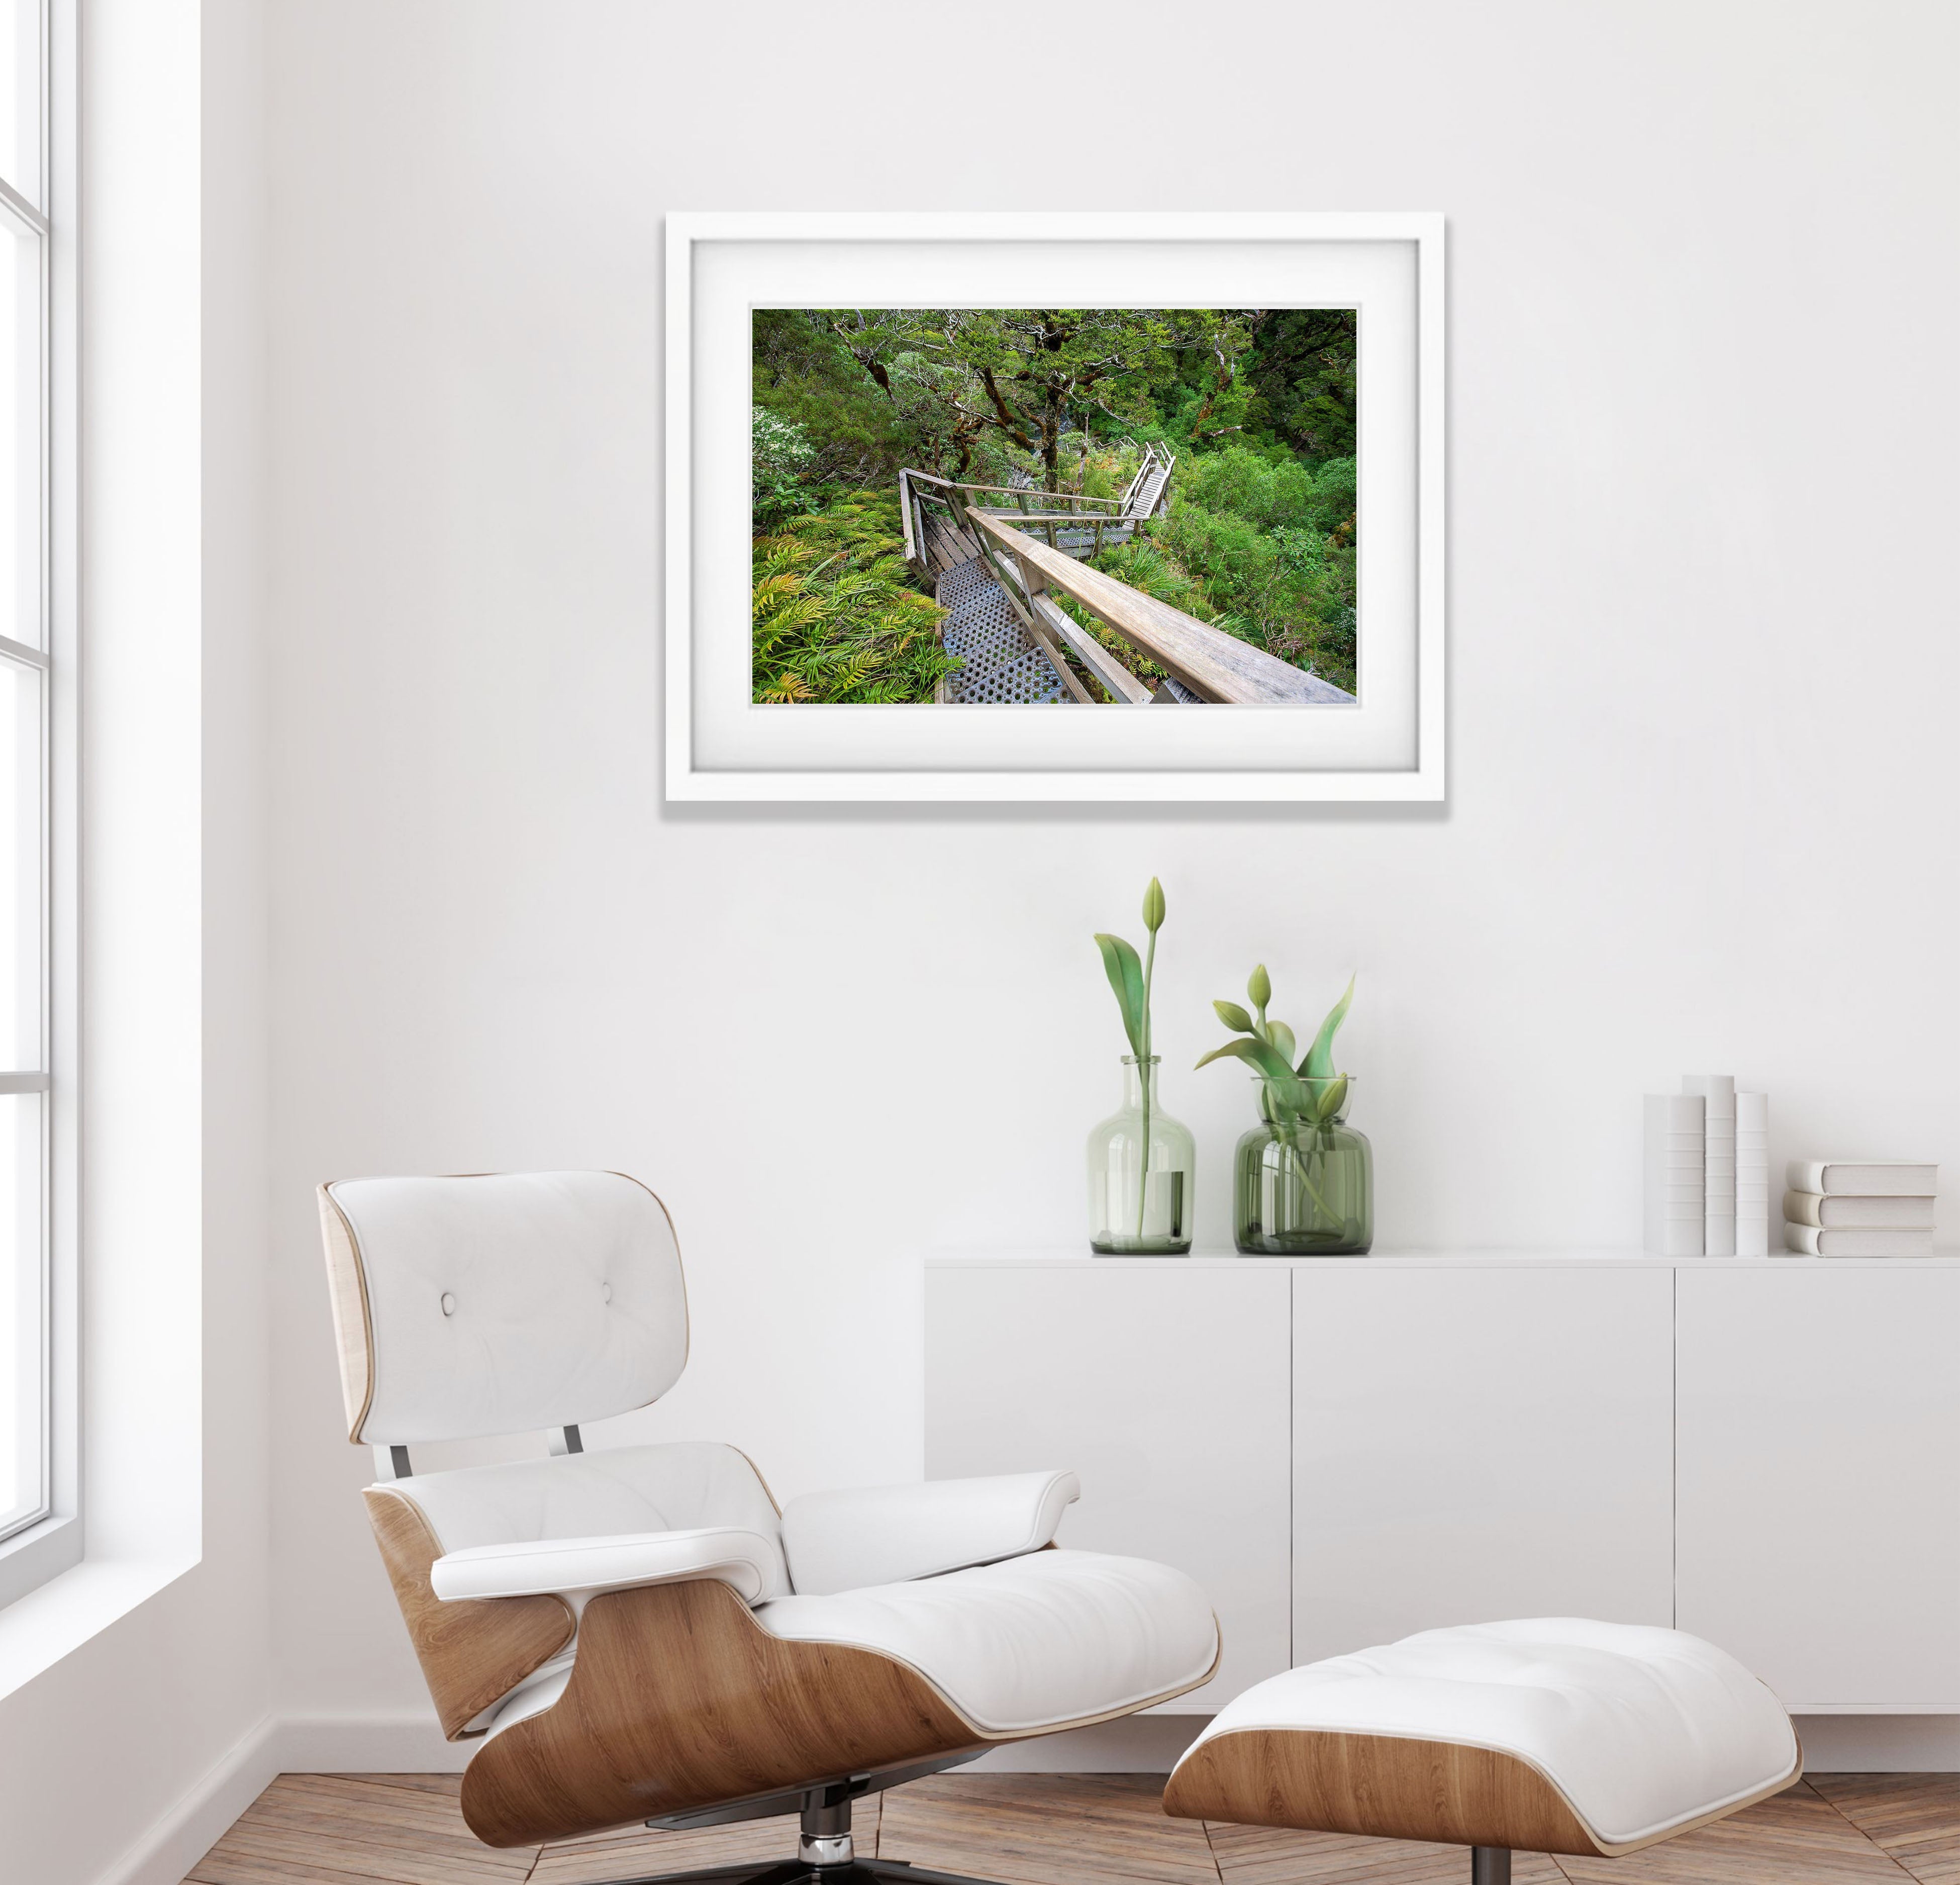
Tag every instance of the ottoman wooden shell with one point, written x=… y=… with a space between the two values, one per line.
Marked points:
x=1550 y=1735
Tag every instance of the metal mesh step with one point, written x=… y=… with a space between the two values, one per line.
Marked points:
x=1002 y=666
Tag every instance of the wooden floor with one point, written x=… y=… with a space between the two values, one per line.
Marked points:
x=1074 y=1829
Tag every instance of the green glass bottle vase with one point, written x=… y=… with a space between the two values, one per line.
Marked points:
x=1139 y=1205
x=1300 y=1190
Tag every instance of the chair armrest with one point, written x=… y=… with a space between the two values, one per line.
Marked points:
x=891 y=1534
x=564 y=1567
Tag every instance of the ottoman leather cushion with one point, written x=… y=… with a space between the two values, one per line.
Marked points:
x=1547 y=1734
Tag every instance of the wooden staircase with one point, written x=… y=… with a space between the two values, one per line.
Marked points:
x=997 y=569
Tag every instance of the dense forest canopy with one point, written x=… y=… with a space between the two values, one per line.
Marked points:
x=1257 y=404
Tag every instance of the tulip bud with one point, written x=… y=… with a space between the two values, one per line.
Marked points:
x=1234 y=1016
x=1153 y=907
x=1260 y=988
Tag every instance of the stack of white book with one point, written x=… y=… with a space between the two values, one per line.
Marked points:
x=1874 y=1207
x=1708 y=1170
x=1676 y=1189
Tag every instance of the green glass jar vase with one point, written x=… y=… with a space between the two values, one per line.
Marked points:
x=1142 y=1163
x=1300 y=1188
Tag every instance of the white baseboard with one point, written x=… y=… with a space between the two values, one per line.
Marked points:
x=407 y=1743
x=1138 y=1744
x=200 y=1819
x=410 y=1743
x=1151 y=1743
x=1880 y=1744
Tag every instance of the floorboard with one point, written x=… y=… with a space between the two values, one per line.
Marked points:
x=1046 y=1829
x=1915 y=1818
x=1797 y=1839
x=1264 y=1855
x=1072 y=1830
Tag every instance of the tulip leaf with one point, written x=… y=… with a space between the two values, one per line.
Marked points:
x=1283 y=1043
x=1234 y=1016
x=1255 y=1054
x=1125 y=971
x=1319 y=1064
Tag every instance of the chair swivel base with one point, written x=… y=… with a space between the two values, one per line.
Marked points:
x=797 y=1872
x=825 y=1854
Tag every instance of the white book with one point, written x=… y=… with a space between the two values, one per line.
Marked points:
x=1842 y=1212
x=1869 y=1177
x=1717 y=1095
x=1675 y=1204
x=1752 y=1174
x=1810 y=1239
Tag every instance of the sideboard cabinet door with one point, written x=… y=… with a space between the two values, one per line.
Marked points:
x=1819 y=1506
x=1164 y=1385
x=1478 y=1442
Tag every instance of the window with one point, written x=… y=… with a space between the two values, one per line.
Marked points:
x=28 y=1372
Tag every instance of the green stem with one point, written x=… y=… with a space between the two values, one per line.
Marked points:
x=1143 y=1073
x=1286 y=1125
x=1292 y=1144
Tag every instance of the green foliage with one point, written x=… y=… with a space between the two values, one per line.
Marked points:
x=1130 y=979
x=1301 y=373
x=1130 y=976
x=1125 y=968
x=1257 y=405
x=1312 y=1094
x=835 y=618
x=1319 y=1063
x=781 y=453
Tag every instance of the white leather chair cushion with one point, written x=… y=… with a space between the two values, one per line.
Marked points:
x=1038 y=1642
x=624 y=1493
x=546 y=1567
x=513 y=1302
x=884 y=1534
x=1642 y=1730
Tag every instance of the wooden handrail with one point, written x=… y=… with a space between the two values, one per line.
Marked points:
x=1048 y=517
x=1213 y=665
x=1006 y=490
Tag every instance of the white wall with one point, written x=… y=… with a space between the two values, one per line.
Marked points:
x=1704 y=663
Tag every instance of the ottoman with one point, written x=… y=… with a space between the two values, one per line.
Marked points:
x=1550 y=1735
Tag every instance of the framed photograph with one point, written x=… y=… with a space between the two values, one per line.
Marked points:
x=930 y=477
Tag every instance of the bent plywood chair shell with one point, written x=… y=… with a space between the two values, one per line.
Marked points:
x=1393 y=1786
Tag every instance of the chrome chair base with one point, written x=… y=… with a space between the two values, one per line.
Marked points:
x=824 y=1854
x=852 y=1872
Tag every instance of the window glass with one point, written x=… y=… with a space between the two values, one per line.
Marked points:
x=25 y=1332
x=21 y=97
x=22 y=1336
x=21 y=873
x=21 y=455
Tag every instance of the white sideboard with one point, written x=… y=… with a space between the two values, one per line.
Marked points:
x=1342 y=1451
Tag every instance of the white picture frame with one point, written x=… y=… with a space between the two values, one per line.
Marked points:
x=1385 y=744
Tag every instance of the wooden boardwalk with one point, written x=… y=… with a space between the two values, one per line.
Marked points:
x=1074 y=1829
x=999 y=567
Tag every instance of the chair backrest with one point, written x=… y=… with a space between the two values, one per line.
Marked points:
x=499 y=1304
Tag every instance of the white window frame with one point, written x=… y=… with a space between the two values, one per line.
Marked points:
x=40 y=1548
